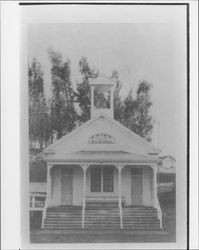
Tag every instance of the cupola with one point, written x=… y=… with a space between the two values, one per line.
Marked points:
x=102 y=96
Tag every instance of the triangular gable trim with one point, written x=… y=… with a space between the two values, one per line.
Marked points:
x=101 y=115
x=76 y=130
x=133 y=134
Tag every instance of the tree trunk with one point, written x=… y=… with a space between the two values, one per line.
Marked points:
x=59 y=134
x=41 y=144
x=51 y=139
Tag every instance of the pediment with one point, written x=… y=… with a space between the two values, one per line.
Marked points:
x=101 y=134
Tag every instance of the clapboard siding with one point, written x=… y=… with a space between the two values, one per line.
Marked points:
x=126 y=184
x=147 y=186
x=78 y=186
x=56 y=186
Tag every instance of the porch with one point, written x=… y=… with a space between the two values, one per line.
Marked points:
x=109 y=192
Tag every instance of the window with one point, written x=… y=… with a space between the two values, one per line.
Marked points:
x=102 y=99
x=108 y=179
x=102 y=179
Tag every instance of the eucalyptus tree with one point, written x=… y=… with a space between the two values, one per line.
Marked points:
x=83 y=97
x=63 y=113
x=137 y=111
x=38 y=109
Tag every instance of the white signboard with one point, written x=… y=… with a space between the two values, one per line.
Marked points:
x=101 y=138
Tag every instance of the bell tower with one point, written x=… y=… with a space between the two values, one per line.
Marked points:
x=102 y=96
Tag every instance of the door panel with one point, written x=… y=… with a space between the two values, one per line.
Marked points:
x=66 y=187
x=136 y=189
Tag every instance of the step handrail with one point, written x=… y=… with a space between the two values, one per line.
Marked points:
x=158 y=210
x=44 y=214
x=121 y=216
x=83 y=213
x=45 y=210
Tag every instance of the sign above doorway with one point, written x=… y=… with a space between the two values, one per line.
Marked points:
x=101 y=138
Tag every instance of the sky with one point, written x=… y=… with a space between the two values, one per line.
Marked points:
x=138 y=50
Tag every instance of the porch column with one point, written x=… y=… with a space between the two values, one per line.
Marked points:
x=119 y=168
x=84 y=167
x=48 y=192
x=112 y=101
x=156 y=201
x=49 y=184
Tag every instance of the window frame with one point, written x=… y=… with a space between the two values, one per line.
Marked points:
x=98 y=101
x=111 y=177
x=103 y=187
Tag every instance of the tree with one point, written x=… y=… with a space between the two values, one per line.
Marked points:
x=129 y=115
x=83 y=90
x=63 y=114
x=118 y=103
x=35 y=81
x=137 y=111
x=38 y=110
x=44 y=122
x=37 y=167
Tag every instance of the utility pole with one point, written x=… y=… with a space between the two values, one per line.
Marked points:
x=158 y=135
x=129 y=78
x=100 y=62
x=158 y=144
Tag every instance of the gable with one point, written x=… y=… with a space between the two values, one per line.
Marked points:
x=101 y=134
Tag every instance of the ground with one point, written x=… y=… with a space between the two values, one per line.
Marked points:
x=98 y=236
x=107 y=236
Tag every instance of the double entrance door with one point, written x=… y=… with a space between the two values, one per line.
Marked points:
x=66 y=186
x=136 y=187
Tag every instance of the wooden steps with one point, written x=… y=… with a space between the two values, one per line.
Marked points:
x=99 y=215
x=102 y=215
x=140 y=218
x=63 y=217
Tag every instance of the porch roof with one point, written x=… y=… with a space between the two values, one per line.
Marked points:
x=103 y=156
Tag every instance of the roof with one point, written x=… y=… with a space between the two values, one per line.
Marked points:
x=167 y=156
x=103 y=157
x=102 y=80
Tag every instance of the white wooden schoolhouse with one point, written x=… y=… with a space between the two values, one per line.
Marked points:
x=102 y=175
